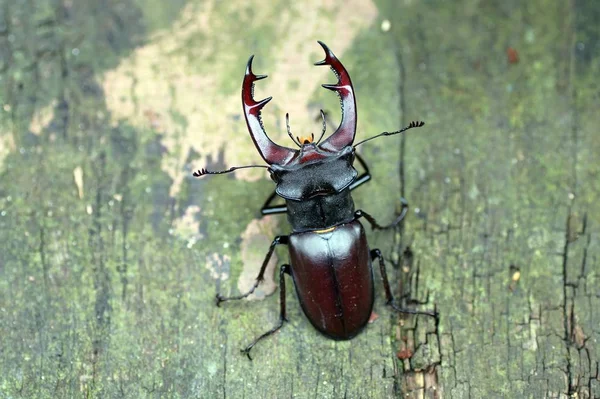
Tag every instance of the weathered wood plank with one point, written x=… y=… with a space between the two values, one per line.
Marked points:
x=498 y=188
x=111 y=254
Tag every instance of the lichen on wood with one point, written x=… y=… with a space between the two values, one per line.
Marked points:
x=111 y=253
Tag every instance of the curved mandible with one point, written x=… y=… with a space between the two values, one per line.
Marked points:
x=269 y=151
x=344 y=135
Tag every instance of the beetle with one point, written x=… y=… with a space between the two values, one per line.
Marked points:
x=330 y=259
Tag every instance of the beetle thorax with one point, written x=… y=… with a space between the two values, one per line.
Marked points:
x=321 y=212
x=304 y=178
x=317 y=191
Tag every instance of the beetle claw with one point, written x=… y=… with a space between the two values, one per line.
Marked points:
x=246 y=351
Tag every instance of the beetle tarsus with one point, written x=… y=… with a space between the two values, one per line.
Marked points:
x=246 y=351
x=376 y=254
x=248 y=348
x=399 y=309
x=236 y=297
x=282 y=311
x=261 y=274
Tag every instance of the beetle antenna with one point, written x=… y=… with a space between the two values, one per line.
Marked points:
x=412 y=124
x=203 y=171
x=287 y=123
x=324 y=126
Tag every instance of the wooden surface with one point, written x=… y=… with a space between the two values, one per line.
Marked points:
x=111 y=253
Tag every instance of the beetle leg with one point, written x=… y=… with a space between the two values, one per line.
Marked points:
x=365 y=177
x=376 y=254
x=261 y=275
x=282 y=312
x=376 y=226
x=268 y=209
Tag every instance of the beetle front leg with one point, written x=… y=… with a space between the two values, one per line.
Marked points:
x=376 y=226
x=282 y=312
x=268 y=209
x=261 y=275
x=364 y=177
x=376 y=254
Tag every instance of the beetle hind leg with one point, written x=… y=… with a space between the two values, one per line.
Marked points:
x=376 y=254
x=261 y=275
x=282 y=311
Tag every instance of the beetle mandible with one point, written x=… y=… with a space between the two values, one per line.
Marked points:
x=330 y=260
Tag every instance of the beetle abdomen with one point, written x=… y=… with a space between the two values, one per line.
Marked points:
x=333 y=277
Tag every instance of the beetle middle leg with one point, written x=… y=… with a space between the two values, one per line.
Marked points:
x=261 y=275
x=376 y=254
x=282 y=312
x=376 y=226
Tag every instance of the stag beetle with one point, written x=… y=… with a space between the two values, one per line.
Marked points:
x=330 y=259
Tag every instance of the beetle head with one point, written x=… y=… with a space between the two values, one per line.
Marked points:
x=314 y=168
x=314 y=173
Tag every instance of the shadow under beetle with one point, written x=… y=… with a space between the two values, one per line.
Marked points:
x=330 y=259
